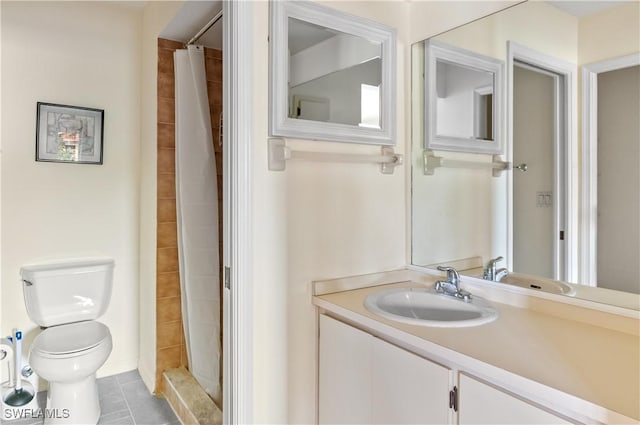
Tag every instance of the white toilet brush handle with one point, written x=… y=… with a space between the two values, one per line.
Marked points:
x=17 y=337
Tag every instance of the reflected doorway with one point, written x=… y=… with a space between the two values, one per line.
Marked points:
x=611 y=161
x=540 y=208
x=535 y=207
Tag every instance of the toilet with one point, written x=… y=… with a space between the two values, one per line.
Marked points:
x=66 y=298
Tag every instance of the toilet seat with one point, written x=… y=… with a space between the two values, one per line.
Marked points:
x=73 y=338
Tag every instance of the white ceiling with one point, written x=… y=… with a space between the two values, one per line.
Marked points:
x=191 y=18
x=584 y=8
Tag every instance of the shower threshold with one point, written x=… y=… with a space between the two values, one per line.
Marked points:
x=187 y=398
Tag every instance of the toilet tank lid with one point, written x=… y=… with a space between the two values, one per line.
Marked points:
x=62 y=265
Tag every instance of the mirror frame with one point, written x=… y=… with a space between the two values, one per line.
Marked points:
x=435 y=51
x=279 y=122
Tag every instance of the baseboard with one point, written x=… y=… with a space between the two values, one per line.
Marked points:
x=149 y=378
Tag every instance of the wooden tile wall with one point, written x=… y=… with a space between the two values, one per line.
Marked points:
x=171 y=352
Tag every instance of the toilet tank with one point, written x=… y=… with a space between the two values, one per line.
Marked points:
x=67 y=291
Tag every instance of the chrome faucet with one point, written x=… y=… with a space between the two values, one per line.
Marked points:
x=451 y=286
x=490 y=273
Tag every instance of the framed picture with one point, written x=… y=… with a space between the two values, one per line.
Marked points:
x=69 y=134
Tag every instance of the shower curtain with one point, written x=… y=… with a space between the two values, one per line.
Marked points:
x=197 y=220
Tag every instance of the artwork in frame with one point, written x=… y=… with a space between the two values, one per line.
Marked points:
x=70 y=134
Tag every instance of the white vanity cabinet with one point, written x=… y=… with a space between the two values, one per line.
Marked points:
x=481 y=403
x=406 y=388
x=345 y=374
x=366 y=380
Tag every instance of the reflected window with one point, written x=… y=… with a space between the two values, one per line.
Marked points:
x=370 y=106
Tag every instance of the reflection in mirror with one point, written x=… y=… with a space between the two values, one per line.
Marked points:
x=467 y=217
x=463 y=99
x=333 y=76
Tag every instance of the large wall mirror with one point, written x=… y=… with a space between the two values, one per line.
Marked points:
x=332 y=75
x=567 y=207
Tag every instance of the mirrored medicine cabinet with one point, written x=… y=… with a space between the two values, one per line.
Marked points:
x=463 y=101
x=332 y=75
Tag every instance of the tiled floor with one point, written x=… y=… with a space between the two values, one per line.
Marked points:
x=124 y=400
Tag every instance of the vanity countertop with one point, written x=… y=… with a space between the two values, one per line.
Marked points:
x=594 y=363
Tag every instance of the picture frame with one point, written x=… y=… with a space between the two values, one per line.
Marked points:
x=69 y=134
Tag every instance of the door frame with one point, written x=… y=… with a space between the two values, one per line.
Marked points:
x=566 y=195
x=589 y=228
x=237 y=206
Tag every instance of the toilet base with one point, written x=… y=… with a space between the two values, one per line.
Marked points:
x=72 y=402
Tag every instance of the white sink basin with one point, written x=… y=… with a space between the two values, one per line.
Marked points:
x=544 y=285
x=425 y=307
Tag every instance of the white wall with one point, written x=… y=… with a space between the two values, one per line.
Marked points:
x=314 y=221
x=429 y=18
x=609 y=34
x=336 y=220
x=521 y=24
x=86 y=54
x=270 y=363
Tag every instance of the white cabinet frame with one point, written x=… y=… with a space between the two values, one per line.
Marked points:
x=279 y=122
x=437 y=51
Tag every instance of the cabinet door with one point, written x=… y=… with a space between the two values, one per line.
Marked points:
x=406 y=388
x=345 y=374
x=484 y=404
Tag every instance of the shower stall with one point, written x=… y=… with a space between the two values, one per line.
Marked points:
x=189 y=216
x=197 y=220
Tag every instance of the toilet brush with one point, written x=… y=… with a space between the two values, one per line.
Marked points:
x=19 y=396
x=7 y=357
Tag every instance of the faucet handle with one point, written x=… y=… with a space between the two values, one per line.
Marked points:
x=489 y=272
x=452 y=274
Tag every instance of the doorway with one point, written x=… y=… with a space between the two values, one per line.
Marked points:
x=237 y=235
x=191 y=168
x=611 y=163
x=540 y=146
x=537 y=205
x=618 y=177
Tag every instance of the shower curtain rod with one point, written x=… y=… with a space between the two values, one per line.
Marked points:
x=205 y=28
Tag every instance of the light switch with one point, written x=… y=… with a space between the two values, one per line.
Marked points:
x=544 y=199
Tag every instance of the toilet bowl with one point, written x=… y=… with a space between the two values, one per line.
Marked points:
x=68 y=356
x=66 y=298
